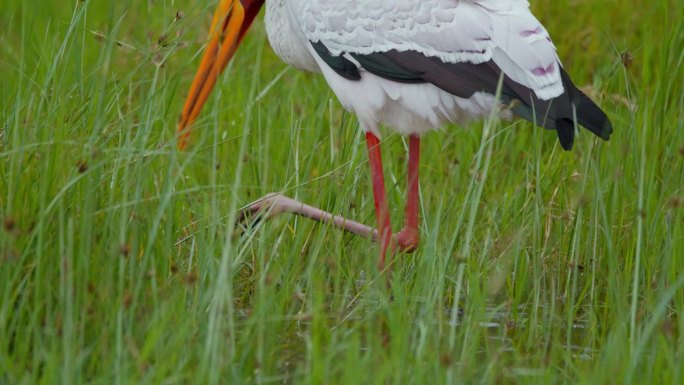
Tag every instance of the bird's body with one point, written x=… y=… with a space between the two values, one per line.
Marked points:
x=408 y=108
x=357 y=44
x=412 y=66
x=287 y=37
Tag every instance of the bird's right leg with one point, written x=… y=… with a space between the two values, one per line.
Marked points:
x=408 y=238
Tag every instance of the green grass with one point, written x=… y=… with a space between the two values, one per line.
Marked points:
x=119 y=263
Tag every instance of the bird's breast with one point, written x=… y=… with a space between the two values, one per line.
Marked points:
x=286 y=37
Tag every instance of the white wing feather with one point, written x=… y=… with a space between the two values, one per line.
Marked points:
x=455 y=31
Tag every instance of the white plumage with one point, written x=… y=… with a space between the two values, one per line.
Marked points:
x=455 y=31
x=405 y=108
x=412 y=65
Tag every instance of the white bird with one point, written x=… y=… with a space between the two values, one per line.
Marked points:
x=409 y=65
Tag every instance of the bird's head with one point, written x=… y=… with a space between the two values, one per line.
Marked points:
x=231 y=21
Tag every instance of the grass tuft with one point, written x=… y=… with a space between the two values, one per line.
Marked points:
x=119 y=262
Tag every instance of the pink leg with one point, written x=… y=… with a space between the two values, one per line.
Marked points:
x=409 y=237
x=407 y=240
x=380 y=197
x=274 y=204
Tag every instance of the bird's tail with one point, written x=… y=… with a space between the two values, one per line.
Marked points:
x=587 y=113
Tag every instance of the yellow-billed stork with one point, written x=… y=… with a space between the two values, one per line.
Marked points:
x=411 y=65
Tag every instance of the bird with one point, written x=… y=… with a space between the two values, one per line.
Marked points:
x=410 y=66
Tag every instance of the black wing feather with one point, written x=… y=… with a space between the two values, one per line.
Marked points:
x=465 y=79
x=339 y=64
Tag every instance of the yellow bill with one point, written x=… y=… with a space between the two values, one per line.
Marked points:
x=231 y=21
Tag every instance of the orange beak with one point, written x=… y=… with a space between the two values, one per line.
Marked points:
x=231 y=21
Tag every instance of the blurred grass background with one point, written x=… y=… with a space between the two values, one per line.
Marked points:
x=119 y=263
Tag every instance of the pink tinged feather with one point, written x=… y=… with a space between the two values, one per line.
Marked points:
x=541 y=71
x=528 y=32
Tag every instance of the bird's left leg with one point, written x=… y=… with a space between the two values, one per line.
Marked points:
x=379 y=196
x=408 y=238
x=275 y=204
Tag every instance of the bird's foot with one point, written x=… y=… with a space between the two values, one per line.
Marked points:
x=274 y=204
x=264 y=208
